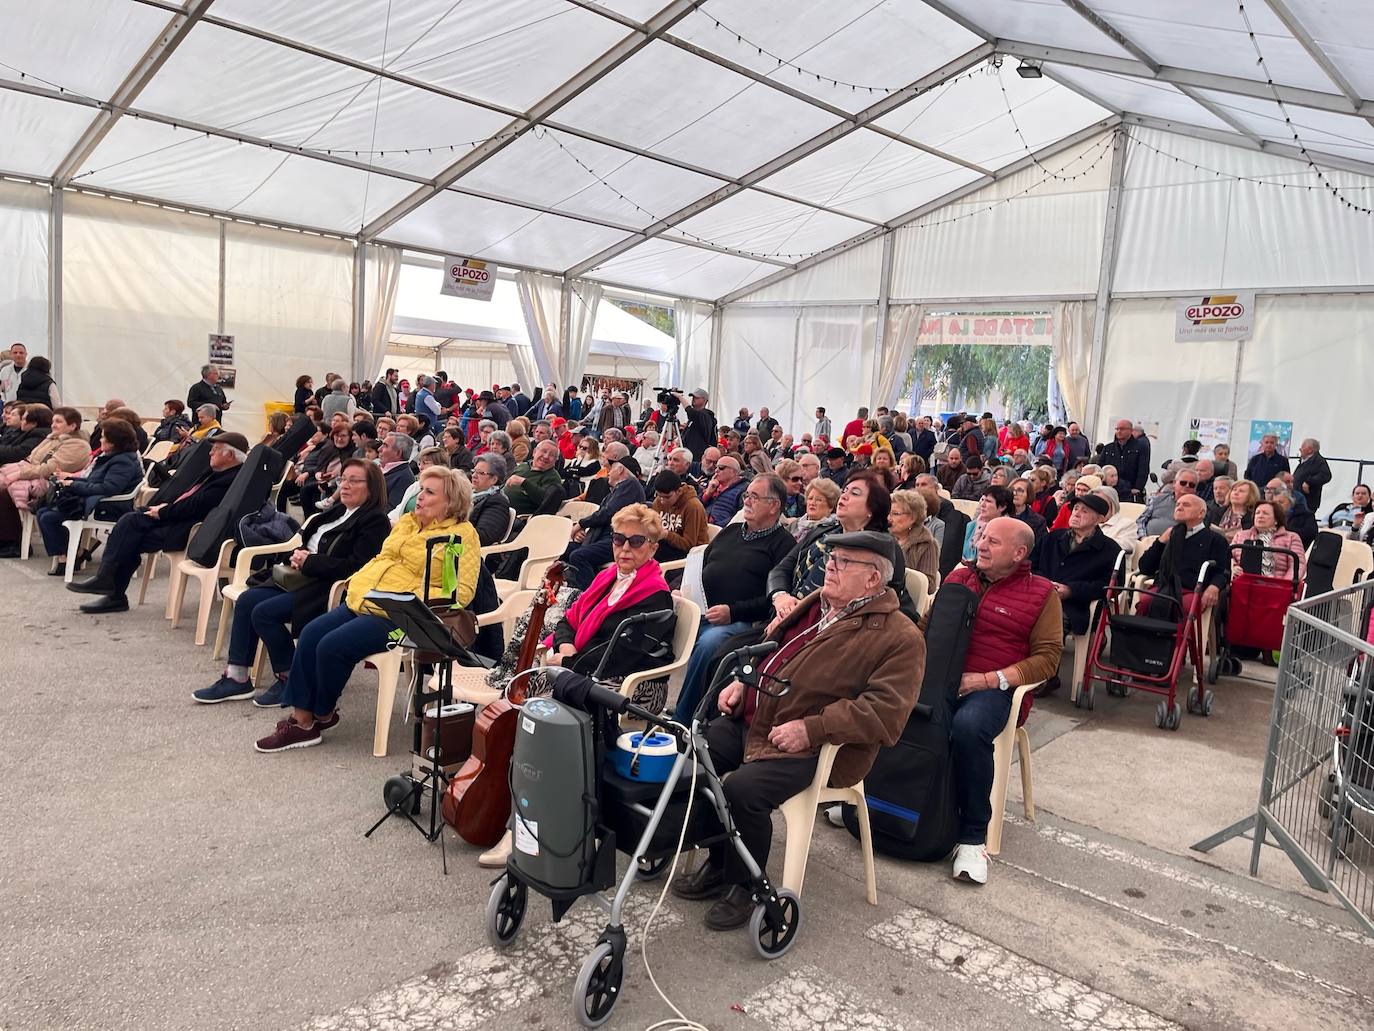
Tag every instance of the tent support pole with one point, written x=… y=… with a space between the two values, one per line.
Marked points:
x=713 y=376
x=359 y=308
x=564 y=336
x=880 y=332
x=222 y=274
x=1106 y=272
x=55 y=284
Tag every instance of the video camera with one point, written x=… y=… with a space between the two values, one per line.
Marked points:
x=670 y=398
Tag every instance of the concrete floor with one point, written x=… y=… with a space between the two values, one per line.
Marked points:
x=156 y=872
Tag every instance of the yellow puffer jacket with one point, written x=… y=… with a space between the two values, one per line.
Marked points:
x=400 y=567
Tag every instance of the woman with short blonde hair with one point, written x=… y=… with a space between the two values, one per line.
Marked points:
x=906 y=523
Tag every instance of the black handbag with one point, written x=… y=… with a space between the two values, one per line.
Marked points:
x=64 y=502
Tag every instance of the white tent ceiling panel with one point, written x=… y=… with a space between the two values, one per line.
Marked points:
x=1345 y=32
x=38 y=133
x=1327 y=131
x=542 y=168
x=1212 y=38
x=769 y=225
x=833 y=42
x=678 y=105
x=871 y=175
x=511 y=53
x=1036 y=21
x=1126 y=93
x=453 y=223
x=973 y=119
x=84 y=46
x=850 y=276
x=185 y=167
x=290 y=97
x=661 y=264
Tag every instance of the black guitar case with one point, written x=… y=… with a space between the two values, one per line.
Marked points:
x=910 y=789
x=952 y=547
x=1321 y=563
x=256 y=477
x=194 y=464
x=295 y=437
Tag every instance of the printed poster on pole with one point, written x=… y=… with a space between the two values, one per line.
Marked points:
x=1210 y=433
x=221 y=349
x=1260 y=427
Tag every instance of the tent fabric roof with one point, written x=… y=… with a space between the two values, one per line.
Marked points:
x=691 y=147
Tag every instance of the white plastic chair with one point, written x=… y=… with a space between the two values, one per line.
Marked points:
x=545 y=537
x=469 y=683
x=150 y=568
x=799 y=817
x=1011 y=736
x=28 y=522
x=684 y=640
x=712 y=530
x=78 y=528
x=918 y=586
x=238 y=583
x=208 y=578
x=1356 y=558
x=576 y=509
x=1131 y=510
x=158 y=450
x=969 y=508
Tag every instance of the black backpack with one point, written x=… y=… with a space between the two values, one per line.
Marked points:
x=910 y=789
x=1321 y=563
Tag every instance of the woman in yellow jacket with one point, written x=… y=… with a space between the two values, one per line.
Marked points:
x=331 y=645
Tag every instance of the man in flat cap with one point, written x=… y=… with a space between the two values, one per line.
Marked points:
x=855 y=663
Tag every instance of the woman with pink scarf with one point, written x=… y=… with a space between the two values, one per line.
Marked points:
x=632 y=584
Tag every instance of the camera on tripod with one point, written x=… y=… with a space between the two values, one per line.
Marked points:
x=670 y=398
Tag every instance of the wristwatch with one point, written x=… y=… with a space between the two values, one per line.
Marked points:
x=1002 y=683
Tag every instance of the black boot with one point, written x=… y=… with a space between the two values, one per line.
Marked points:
x=705 y=883
x=731 y=910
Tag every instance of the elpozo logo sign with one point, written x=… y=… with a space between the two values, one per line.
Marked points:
x=470 y=278
x=1215 y=317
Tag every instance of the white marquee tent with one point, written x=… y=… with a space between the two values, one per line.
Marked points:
x=802 y=180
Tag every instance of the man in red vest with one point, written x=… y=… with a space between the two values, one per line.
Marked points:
x=1018 y=635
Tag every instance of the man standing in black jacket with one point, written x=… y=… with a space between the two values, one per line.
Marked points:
x=164 y=527
x=1130 y=457
x=384 y=398
x=207 y=391
x=700 y=431
x=1312 y=473
x=1267 y=462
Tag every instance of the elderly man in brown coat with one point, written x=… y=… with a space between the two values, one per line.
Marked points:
x=855 y=665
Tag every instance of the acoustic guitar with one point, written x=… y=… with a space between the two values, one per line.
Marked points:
x=477 y=801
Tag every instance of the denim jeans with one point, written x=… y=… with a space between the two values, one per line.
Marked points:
x=262 y=614
x=978 y=718
x=329 y=648
x=709 y=638
x=55 y=536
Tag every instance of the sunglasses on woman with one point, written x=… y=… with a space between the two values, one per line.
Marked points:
x=637 y=540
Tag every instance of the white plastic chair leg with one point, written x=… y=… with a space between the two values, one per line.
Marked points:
x=866 y=844
x=209 y=587
x=176 y=595
x=1001 y=771
x=1023 y=753
x=149 y=568
x=74 y=537
x=226 y=615
x=799 y=815
x=388 y=665
x=259 y=670
x=27 y=523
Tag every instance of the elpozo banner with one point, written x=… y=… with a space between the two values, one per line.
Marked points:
x=470 y=278
x=1215 y=317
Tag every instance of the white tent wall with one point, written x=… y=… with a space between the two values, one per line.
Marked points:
x=140 y=291
x=288 y=303
x=850 y=276
x=24 y=216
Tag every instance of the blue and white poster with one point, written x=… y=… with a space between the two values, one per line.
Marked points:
x=1259 y=428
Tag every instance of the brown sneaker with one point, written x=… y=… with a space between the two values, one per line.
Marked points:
x=289 y=734
x=329 y=722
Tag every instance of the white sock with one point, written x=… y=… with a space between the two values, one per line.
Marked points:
x=239 y=673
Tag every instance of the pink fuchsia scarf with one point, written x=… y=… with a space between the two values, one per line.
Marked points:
x=588 y=612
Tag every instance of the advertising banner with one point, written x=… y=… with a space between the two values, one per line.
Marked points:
x=467 y=277
x=987 y=328
x=1210 y=432
x=1258 y=429
x=1215 y=317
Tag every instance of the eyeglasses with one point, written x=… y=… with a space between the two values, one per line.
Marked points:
x=795 y=479
x=637 y=540
x=841 y=563
x=750 y=496
x=1187 y=483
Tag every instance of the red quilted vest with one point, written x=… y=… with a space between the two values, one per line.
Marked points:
x=1007 y=610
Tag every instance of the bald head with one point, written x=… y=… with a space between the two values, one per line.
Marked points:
x=1005 y=544
x=1190 y=509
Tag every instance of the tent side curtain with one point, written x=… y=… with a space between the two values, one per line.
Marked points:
x=693 y=323
x=1073 y=342
x=24 y=214
x=584 y=298
x=381 y=280
x=540 y=300
x=899 y=344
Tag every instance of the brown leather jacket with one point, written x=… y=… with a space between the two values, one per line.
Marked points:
x=854 y=684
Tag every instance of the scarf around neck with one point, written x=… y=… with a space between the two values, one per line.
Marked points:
x=588 y=612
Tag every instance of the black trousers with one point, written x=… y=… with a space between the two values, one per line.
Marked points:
x=752 y=790
x=134 y=536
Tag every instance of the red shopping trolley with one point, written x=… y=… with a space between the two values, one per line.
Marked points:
x=1257 y=606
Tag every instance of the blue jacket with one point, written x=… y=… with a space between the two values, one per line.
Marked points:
x=112 y=474
x=628 y=491
x=725 y=504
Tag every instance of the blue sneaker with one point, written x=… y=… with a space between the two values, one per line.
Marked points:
x=273 y=697
x=224 y=690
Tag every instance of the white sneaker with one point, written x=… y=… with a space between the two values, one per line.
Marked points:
x=971 y=864
x=834 y=815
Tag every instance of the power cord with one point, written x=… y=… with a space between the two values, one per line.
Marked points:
x=679 y=1022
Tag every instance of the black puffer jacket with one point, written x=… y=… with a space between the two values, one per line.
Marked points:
x=15 y=445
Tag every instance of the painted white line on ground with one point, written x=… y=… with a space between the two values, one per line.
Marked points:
x=1102 y=850
x=1016 y=980
x=488 y=982
x=1187 y=932
x=809 y=1000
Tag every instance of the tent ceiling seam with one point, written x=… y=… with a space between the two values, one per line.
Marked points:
x=1295 y=28
x=1109 y=30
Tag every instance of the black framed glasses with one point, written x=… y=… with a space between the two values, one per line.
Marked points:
x=637 y=540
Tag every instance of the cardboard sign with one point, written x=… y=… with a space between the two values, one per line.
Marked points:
x=1215 y=317
x=221 y=349
x=467 y=277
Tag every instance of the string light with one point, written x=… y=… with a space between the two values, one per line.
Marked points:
x=1288 y=121
x=1230 y=176
x=1006 y=99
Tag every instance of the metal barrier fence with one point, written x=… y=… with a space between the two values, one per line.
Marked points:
x=1317 y=794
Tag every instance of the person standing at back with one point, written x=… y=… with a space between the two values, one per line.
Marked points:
x=384 y=396
x=11 y=368
x=700 y=431
x=207 y=391
x=1312 y=473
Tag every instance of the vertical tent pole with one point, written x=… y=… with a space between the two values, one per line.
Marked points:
x=713 y=375
x=359 y=308
x=880 y=333
x=1106 y=273
x=222 y=273
x=564 y=337
x=55 y=284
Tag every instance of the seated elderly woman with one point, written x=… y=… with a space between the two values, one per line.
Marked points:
x=1236 y=512
x=632 y=585
x=282 y=601
x=64 y=449
x=1350 y=515
x=790 y=472
x=1270 y=530
x=430 y=456
x=331 y=645
x=906 y=523
x=26 y=426
x=822 y=496
x=117 y=469
x=1082 y=485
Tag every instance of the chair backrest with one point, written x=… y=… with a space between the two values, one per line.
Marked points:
x=510 y=524
x=158 y=450
x=1357 y=559
x=944 y=494
x=969 y=508
x=546 y=536
x=711 y=530
x=918 y=586
x=685 y=632
x=1131 y=510
x=576 y=509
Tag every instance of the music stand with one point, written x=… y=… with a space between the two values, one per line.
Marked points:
x=423 y=632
